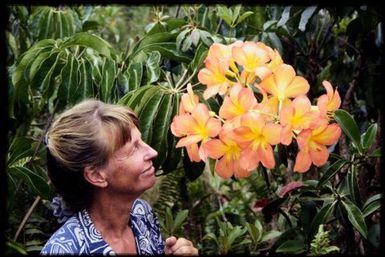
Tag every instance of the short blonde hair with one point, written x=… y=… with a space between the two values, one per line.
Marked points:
x=85 y=135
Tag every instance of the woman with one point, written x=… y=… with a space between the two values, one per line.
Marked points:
x=100 y=166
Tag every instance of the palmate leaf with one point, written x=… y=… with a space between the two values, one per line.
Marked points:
x=161 y=128
x=173 y=154
x=147 y=115
x=134 y=75
x=94 y=42
x=152 y=67
x=107 y=81
x=134 y=97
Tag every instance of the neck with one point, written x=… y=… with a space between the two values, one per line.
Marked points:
x=110 y=215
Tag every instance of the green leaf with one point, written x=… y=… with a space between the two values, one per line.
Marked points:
x=367 y=139
x=349 y=126
x=376 y=153
x=305 y=17
x=152 y=67
x=321 y=217
x=108 y=78
x=244 y=16
x=152 y=39
x=162 y=125
x=173 y=154
x=13 y=247
x=331 y=172
x=195 y=36
x=147 y=114
x=270 y=235
x=38 y=184
x=68 y=89
x=371 y=205
x=134 y=74
x=355 y=217
x=353 y=186
x=167 y=50
x=180 y=38
x=292 y=247
x=92 y=41
x=225 y=14
x=284 y=16
x=199 y=57
x=180 y=218
x=20 y=148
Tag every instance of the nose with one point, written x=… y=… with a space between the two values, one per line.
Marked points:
x=151 y=152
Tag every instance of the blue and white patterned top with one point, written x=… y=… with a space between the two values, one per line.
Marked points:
x=78 y=235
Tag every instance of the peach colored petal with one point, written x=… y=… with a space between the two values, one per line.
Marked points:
x=215 y=148
x=253 y=121
x=283 y=77
x=188 y=140
x=319 y=155
x=189 y=100
x=329 y=135
x=262 y=72
x=266 y=155
x=302 y=162
x=182 y=125
x=303 y=139
x=286 y=135
x=286 y=114
x=192 y=151
x=222 y=169
x=201 y=114
x=298 y=86
x=241 y=173
x=213 y=126
x=322 y=103
x=272 y=133
x=210 y=91
x=302 y=105
x=249 y=159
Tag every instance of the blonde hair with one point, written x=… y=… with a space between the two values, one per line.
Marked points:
x=85 y=135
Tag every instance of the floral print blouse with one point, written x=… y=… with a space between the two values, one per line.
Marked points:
x=78 y=235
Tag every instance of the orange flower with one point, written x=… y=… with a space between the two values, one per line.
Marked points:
x=284 y=84
x=250 y=55
x=297 y=116
x=240 y=100
x=256 y=136
x=198 y=126
x=214 y=76
x=312 y=145
x=227 y=152
x=330 y=101
x=188 y=101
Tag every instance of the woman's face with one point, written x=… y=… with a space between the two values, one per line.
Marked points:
x=130 y=169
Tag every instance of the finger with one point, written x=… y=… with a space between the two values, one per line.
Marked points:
x=186 y=250
x=181 y=242
x=171 y=241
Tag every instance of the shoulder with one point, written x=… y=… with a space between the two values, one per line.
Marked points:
x=66 y=240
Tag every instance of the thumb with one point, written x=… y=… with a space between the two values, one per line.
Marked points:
x=170 y=241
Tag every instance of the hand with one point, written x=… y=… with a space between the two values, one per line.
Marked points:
x=180 y=246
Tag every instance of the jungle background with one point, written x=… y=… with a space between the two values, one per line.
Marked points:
x=144 y=56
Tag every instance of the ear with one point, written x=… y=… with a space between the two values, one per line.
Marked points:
x=95 y=176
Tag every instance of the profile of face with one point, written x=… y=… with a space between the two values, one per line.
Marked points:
x=130 y=169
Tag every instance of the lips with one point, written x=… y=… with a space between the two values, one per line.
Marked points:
x=150 y=169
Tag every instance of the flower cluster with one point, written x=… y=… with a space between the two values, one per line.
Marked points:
x=264 y=104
